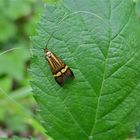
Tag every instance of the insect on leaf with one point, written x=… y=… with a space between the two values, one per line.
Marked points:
x=60 y=70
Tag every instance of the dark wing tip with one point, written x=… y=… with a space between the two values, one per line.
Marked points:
x=69 y=73
x=60 y=80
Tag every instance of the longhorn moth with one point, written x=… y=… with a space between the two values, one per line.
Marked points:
x=59 y=69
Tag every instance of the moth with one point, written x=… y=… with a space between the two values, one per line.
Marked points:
x=59 y=69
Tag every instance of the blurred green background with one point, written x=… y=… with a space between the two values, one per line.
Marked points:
x=18 y=109
x=18 y=19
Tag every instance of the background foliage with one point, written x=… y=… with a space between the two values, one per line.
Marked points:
x=18 y=20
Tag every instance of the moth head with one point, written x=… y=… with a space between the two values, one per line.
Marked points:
x=49 y=54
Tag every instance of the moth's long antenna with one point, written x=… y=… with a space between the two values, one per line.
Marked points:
x=54 y=31
x=49 y=39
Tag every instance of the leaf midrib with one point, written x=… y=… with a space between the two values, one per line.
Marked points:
x=100 y=92
x=104 y=74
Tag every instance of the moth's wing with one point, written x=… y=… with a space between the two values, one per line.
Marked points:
x=64 y=77
x=69 y=74
x=60 y=80
x=55 y=63
x=59 y=69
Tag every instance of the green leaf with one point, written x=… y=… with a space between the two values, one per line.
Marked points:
x=5 y=84
x=17 y=8
x=138 y=7
x=51 y=1
x=18 y=138
x=99 y=41
x=7 y=29
x=15 y=61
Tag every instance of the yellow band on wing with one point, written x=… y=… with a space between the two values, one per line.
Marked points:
x=57 y=74
x=62 y=71
x=65 y=69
